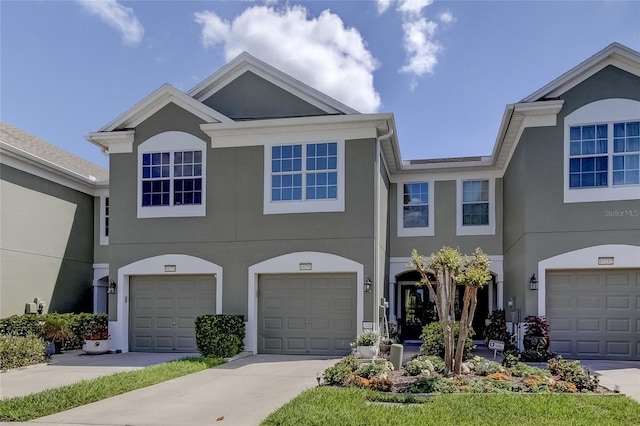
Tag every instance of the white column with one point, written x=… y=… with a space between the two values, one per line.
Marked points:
x=491 y=308
x=500 y=298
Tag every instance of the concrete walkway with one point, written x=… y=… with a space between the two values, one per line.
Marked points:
x=242 y=392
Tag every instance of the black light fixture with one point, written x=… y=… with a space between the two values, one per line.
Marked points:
x=367 y=285
x=533 y=282
x=112 y=287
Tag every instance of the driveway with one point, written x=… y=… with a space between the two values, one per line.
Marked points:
x=242 y=392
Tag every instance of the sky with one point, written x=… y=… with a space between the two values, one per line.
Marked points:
x=445 y=69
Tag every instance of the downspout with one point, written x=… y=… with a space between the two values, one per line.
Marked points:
x=376 y=201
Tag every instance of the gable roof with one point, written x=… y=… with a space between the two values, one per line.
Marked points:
x=614 y=54
x=157 y=100
x=18 y=143
x=246 y=62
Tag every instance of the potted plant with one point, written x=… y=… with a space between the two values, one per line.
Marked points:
x=536 y=335
x=56 y=329
x=367 y=344
x=97 y=340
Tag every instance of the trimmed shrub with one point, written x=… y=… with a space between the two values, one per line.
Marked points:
x=21 y=351
x=433 y=340
x=573 y=372
x=419 y=365
x=220 y=336
x=21 y=325
x=379 y=368
x=337 y=374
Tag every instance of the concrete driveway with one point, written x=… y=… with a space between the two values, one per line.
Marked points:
x=242 y=392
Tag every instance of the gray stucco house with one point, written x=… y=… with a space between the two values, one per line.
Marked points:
x=255 y=194
x=46 y=226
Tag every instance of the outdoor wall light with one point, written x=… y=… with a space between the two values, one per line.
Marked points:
x=367 y=285
x=112 y=287
x=533 y=282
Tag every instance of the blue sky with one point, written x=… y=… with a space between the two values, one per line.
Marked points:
x=446 y=69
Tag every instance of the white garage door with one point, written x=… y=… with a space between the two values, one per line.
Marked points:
x=306 y=313
x=163 y=310
x=594 y=314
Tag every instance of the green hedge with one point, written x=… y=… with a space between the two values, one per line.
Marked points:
x=220 y=336
x=80 y=325
x=20 y=351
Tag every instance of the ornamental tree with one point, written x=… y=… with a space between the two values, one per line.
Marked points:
x=451 y=269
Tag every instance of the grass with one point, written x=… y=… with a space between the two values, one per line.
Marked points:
x=51 y=401
x=349 y=406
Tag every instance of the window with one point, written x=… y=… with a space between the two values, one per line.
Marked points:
x=106 y=217
x=305 y=177
x=476 y=206
x=593 y=146
x=475 y=202
x=103 y=232
x=172 y=181
x=602 y=151
x=415 y=205
x=626 y=153
x=415 y=209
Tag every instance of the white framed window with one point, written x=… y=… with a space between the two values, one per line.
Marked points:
x=415 y=209
x=602 y=152
x=171 y=176
x=476 y=207
x=104 y=220
x=304 y=177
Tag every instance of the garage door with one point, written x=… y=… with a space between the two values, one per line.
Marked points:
x=163 y=310
x=306 y=313
x=594 y=314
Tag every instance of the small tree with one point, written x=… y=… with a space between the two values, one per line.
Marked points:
x=450 y=269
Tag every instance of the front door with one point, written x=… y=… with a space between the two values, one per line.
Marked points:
x=416 y=310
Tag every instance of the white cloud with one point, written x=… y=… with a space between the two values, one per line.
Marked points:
x=116 y=16
x=320 y=52
x=446 y=17
x=419 y=41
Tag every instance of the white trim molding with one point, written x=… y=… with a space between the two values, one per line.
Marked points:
x=624 y=257
x=290 y=264
x=184 y=265
x=605 y=111
x=104 y=237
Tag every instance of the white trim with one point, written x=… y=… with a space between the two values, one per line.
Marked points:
x=104 y=239
x=185 y=265
x=615 y=54
x=489 y=229
x=427 y=231
x=605 y=111
x=625 y=256
x=115 y=142
x=172 y=141
x=246 y=62
x=36 y=166
x=259 y=132
x=290 y=264
x=304 y=206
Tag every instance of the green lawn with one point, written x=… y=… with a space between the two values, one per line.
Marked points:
x=53 y=401
x=349 y=406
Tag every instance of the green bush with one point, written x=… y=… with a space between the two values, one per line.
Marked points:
x=433 y=340
x=21 y=325
x=220 y=336
x=20 y=351
x=419 y=365
x=484 y=367
x=378 y=368
x=573 y=372
x=337 y=374
x=80 y=325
